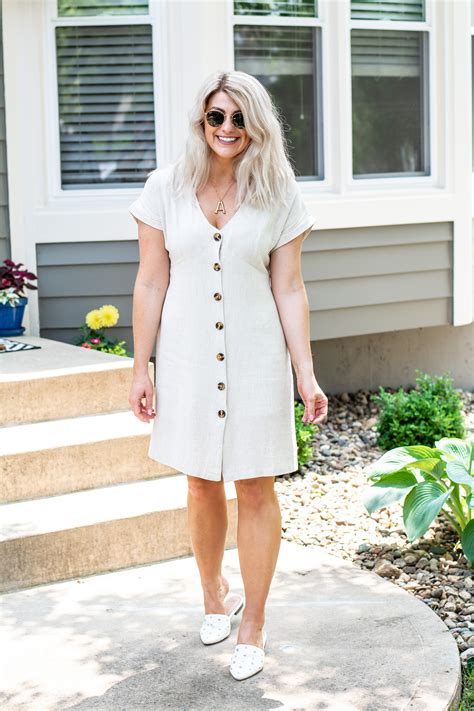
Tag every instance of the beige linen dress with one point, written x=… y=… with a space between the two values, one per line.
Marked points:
x=224 y=383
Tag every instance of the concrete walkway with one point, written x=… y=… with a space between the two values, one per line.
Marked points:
x=338 y=638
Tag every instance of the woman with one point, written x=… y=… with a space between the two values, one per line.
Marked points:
x=220 y=234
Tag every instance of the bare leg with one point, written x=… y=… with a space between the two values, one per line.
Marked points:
x=207 y=524
x=258 y=540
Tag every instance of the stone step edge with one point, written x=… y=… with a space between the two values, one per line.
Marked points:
x=66 y=372
x=86 y=508
x=75 y=430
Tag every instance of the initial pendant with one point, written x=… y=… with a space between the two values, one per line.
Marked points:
x=220 y=208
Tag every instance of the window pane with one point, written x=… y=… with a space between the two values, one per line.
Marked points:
x=282 y=8
x=402 y=10
x=286 y=61
x=106 y=115
x=389 y=103
x=78 y=8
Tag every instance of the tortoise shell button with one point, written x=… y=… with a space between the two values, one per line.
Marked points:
x=217 y=236
x=217 y=267
x=220 y=356
x=221 y=386
x=217 y=296
x=221 y=413
x=219 y=325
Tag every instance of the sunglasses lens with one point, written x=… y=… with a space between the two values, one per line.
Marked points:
x=215 y=118
x=238 y=119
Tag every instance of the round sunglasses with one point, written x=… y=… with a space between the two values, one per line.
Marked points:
x=215 y=118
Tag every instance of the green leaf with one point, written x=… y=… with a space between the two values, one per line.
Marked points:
x=432 y=466
x=455 y=449
x=398 y=458
x=458 y=474
x=421 y=507
x=467 y=541
x=390 y=488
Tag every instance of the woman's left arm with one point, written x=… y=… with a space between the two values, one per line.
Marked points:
x=291 y=299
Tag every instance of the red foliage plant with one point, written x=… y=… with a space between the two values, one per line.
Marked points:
x=11 y=276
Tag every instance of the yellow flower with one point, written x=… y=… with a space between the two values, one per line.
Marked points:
x=110 y=315
x=94 y=319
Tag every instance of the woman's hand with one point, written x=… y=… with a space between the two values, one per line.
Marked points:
x=315 y=401
x=142 y=389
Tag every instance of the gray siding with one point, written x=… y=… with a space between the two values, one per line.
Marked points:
x=379 y=279
x=78 y=277
x=4 y=221
x=359 y=281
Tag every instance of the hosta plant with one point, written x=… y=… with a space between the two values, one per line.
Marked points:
x=431 y=481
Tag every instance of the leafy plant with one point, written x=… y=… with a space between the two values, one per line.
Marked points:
x=432 y=480
x=13 y=282
x=304 y=434
x=431 y=410
x=93 y=335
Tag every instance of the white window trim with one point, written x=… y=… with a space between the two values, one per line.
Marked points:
x=156 y=20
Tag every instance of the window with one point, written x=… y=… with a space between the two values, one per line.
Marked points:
x=279 y=43
x=105 y=94
x=390 y=126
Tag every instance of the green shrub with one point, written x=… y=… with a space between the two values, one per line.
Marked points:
x=431 y=410
x=304 y=434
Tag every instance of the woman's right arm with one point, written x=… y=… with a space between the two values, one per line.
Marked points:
x=149 y=294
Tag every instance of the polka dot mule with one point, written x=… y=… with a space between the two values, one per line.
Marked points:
x=216 y=627
x=247 y=659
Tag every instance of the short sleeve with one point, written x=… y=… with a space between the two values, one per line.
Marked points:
x=147 y=207
x=297 y=220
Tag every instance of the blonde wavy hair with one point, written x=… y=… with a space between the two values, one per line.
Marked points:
x=263 y=169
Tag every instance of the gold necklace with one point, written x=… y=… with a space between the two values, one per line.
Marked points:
x=220 y=201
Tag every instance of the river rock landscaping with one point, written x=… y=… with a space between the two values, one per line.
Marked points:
x=321 y=505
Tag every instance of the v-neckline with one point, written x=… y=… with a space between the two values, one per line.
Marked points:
x=201 y=211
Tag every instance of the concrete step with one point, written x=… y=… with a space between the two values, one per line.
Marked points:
x=339 y=639
x=76 y=453
x=61 y=380
x=105 y=529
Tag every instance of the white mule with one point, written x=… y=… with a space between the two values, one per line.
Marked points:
x=247 y=659
x=216 y=627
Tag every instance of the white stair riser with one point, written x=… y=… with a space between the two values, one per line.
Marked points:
x=87 y=392
x=102 y=547
x=62 y=470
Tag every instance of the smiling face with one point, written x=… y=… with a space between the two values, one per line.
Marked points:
x=216 y=135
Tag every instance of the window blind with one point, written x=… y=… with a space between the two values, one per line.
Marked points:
x=385 y=53
x=270 y=50
x=79 y=8
x=401 y=10
x=281 y=8
x=106 y=108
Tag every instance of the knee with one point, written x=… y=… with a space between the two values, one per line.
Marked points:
x=200 y=488
x=255 y=492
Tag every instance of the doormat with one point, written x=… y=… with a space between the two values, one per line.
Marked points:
x=9 y=346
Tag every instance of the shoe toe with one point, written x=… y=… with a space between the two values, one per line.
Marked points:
x=246 y=661
x=214 y=628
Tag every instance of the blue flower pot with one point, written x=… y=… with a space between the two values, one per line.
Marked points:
x=11 y=318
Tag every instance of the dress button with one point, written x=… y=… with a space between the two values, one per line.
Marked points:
x=217 y=296
x=221 y=386
x=217 y=236
x=219 y=325
x=217 y=267
x=221 y=413
x=220 y=356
